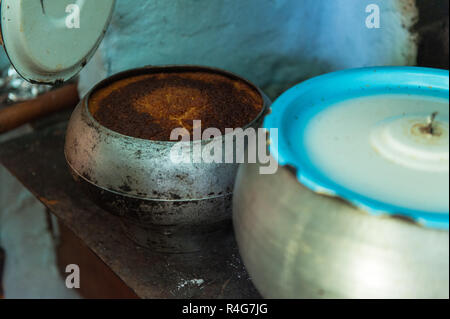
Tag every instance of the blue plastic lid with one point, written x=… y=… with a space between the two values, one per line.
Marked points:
x=304 y=100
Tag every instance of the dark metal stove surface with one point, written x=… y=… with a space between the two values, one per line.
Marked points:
x=37 y=160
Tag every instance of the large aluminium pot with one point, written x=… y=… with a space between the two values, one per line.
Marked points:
x=298 y=241
x=167 y=206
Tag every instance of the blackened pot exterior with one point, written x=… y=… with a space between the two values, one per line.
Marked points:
x=161 y=203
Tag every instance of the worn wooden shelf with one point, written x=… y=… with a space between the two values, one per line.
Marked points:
x=37 y=160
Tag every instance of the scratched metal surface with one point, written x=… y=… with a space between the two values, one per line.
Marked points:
x=37 y=160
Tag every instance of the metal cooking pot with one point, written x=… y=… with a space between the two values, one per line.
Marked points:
x=296 y=243
x=169 y=207
x=299 y=241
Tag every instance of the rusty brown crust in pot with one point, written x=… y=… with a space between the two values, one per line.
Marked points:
x=150 y=106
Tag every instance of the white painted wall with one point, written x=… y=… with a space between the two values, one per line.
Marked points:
x=274 y=43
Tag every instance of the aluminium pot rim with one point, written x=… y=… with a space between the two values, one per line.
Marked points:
x=149 y=69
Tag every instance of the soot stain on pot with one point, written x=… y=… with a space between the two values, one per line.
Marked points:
x=87 y=177
x=175 y=196
x=125 y=188
x=145 y=212
x=403 y=219
x=345 y=202
x=166 y=195
x=291 y=169
x=141 y=194
x=138 y=154
x=181 y=177
x=178 y=203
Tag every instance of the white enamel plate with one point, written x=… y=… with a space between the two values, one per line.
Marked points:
x=50 y=41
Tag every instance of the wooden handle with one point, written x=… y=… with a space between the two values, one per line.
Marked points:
x=21 y=113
